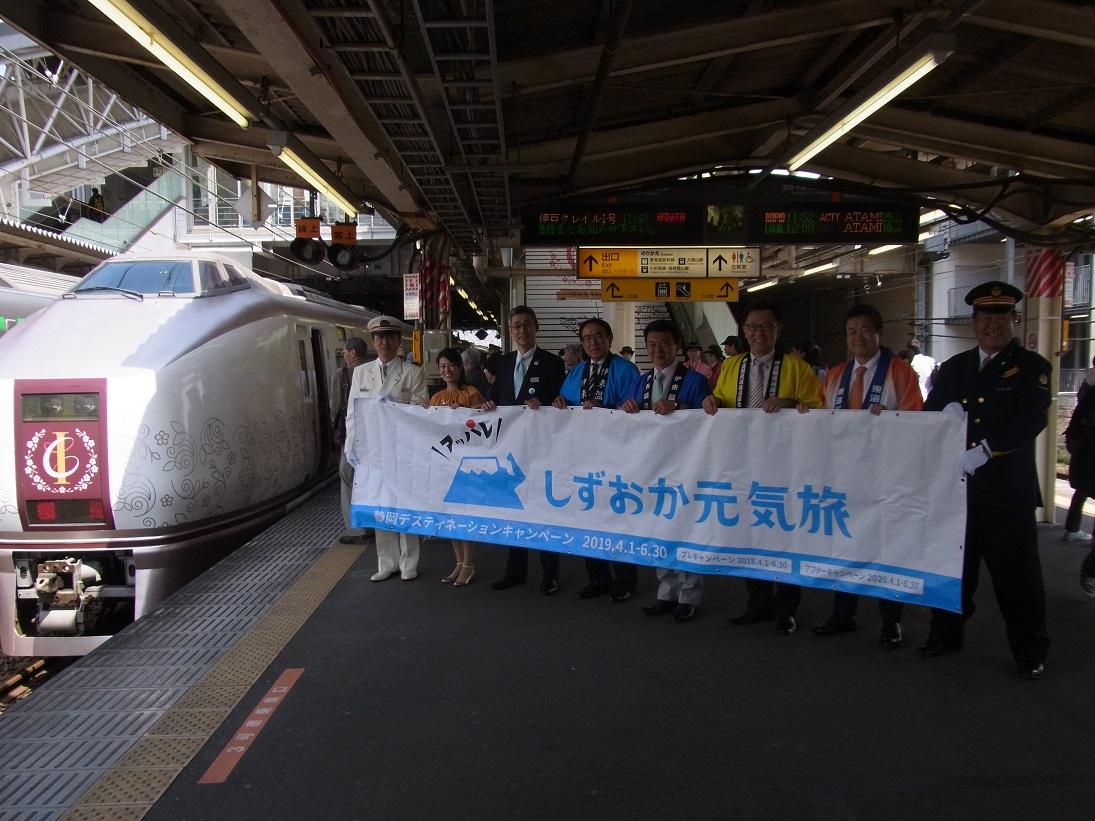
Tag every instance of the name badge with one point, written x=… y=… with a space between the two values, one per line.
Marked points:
x=533 y=379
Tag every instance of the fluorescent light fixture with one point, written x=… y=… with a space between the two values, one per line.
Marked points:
x=472 y=305
x=818 y=268
x=910 y=68
x=932 y=216
x=452 y=281
x=882 y=249
x=293 y=159
x=462 y=292
x=137 y=26
x=923 y=236
x=768 y=283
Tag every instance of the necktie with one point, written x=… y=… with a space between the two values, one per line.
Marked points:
x=658 y=393
x=519 y=375
x=757 y=385
x=384 y=372
x=855 y=401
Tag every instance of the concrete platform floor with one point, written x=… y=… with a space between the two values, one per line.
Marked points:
x=419 y=700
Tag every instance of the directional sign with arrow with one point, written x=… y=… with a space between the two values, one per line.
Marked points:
x=668 y=263
x=687 y=289
x=594 y=263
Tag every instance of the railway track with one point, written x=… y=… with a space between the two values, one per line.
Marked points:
x=20 y=682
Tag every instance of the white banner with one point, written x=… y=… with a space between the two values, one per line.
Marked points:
x=837 y=500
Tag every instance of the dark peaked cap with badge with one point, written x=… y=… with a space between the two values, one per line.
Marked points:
x=994 y=297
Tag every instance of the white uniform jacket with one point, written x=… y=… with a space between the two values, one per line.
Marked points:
x=405 y=383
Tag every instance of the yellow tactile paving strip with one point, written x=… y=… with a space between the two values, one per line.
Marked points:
x=138 y=779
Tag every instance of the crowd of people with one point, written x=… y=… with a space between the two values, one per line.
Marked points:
x=998 y=388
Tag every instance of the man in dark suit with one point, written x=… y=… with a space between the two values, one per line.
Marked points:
x=1003 y=390
x=532 y=377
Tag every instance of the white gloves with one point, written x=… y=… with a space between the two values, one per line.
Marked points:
x=956 y=410
x=976 y=457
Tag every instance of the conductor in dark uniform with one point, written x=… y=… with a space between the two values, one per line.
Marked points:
x=1004 y=391
x=529 y=376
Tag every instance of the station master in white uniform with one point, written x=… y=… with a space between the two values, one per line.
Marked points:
x=399 y=381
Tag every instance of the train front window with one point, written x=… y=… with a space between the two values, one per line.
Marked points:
x=142 y=277
x=47 y=407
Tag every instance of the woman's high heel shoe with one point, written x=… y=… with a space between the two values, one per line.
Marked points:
x=463 y=579
x=452 y=577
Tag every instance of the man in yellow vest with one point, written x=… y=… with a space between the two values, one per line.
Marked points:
x=763 y=378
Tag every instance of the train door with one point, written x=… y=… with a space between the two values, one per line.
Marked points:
x=307 y=379
x=323 y=400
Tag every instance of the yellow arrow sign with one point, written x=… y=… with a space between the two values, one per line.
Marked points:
x=608 y=262
x=632 y=289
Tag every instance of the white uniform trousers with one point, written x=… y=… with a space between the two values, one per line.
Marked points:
x=396 y=550
x=680 y=586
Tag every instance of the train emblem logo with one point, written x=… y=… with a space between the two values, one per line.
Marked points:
x=68 y=459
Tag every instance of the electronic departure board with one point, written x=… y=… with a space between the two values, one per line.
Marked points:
x=611 y=225
x=838 y=222
x=724 y=224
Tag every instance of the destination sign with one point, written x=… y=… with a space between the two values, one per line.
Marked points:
x=609 y=263
x=612 y=225
x=838 y=223
x=687 y=289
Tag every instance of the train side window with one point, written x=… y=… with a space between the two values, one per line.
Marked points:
x=236 y=277
x=213 y=279
x=340 y=332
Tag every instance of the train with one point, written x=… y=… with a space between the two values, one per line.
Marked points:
x=152 y=418
x=23 y=291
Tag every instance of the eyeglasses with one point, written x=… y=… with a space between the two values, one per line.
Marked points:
x=517 y=326
x=592 y=337
x=754 y=327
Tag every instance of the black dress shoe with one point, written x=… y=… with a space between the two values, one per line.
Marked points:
x=549 y=586
x=506 y=583
x=937 y=647
x=620 y=594
x=786 y=625
x=891 y=637
x=591 y=591
x=752 y=617
x=685 y=612
x=659 y=608
x=834 y=628
x=1031 y=670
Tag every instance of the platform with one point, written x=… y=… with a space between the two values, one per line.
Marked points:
x=416 y=700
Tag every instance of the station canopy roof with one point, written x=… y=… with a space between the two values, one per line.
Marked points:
x=459 y=114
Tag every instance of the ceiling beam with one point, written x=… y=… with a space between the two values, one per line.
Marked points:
x=701 y=43
x=892 y=171
x=991 y=145
x=1060 y=22
x=1067 y=103
x=691 y=128
x=98 y=36
x=289 y=36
